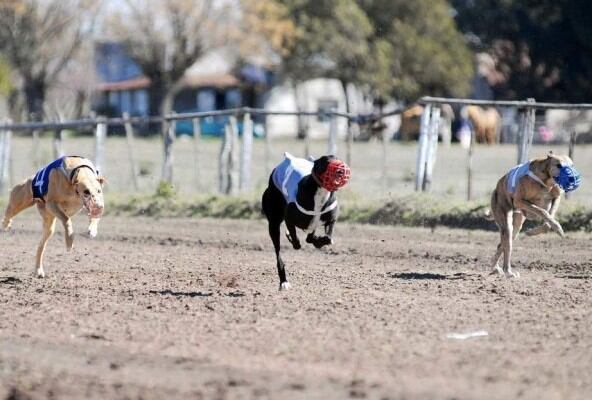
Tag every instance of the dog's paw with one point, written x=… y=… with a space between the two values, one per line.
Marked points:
x=294 y=241
x=40 y=273
x=512 y=274
x=323 y=241
x=92 y=231
x=497 y=270
x=285 y=286
x=559 y=230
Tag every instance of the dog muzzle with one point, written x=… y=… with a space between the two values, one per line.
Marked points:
x=569 y=178
x=94 y=208
x=336 y=176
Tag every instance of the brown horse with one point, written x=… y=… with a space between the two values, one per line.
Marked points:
x=486 y=123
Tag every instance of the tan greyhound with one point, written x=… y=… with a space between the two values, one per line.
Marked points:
x=60 y=190
x=529 y=191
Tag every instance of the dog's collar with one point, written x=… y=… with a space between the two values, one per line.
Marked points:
x=86 y=164
x=331 y=207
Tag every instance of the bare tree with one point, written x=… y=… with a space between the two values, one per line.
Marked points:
x=165 y=37
x=38 y=38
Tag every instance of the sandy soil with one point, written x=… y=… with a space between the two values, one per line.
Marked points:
x=190 y=309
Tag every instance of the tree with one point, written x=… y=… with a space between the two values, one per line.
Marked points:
x=418 y=48
x=396 y=48
x=165 y=37
x=38 y=38
x=542 y=48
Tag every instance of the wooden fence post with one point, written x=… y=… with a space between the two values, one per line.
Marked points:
x=35 y=156
x=246 y=153
x=422 y=147
x=233 y=169
x=526 y=133
x=432 y=148
x=223 y=165
x=129 y=135
x=267 y=155
x=5 y=158
x=196 y=147
x=100 y=136
x=332 y=148
x=168 y=140
x=58 y=148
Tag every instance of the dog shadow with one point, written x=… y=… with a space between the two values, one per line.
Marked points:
x=426 y=276
x=9 y=280
x=181 y=294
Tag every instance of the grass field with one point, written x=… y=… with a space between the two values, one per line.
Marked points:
x=369 y=181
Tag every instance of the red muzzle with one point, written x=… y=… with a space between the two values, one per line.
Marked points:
x=336 y=176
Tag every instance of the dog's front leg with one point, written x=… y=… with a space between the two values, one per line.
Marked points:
x=545 y=227
x=542 y=213
x=66 y=222
x=320 y=241
x=93 y=227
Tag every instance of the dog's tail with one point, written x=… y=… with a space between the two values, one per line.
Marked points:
x=488 y=215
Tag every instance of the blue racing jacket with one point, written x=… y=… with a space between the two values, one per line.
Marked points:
x=40 y=183
x=289 y=173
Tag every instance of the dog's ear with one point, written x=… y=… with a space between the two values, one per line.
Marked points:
x=550 y=154
x=321 y=164
x=102 y=180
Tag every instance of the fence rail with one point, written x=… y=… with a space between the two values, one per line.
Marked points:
x=230 y=182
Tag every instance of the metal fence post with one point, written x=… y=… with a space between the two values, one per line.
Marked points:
x=246 y=153
x=129 y=135
x=432 y=148
x=100 y=136
x=422 y=147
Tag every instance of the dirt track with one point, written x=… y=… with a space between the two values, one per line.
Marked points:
x=190 y=309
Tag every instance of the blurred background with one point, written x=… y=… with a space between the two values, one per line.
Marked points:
x=66 y=60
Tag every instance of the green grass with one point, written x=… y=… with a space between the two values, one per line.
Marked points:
x=413 y=210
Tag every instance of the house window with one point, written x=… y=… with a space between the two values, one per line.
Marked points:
x=126 y=101
x=233 y=98
x=141 y=102
x=326 y=105
x=206 y=100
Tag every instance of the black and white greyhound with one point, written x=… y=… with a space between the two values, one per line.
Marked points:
x=302 y=193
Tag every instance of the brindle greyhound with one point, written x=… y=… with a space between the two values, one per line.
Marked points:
x=302 y=194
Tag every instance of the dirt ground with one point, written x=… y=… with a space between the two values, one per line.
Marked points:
x=188 y=308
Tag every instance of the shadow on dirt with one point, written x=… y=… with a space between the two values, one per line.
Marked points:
x=425 y=276
x=181 y=294
x=10 y=280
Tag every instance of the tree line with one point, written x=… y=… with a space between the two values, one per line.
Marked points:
x=390 y=49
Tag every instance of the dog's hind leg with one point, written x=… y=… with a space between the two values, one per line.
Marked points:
x=273 y=206
x=48 y=230
x=66 y=222
x=20 y=199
